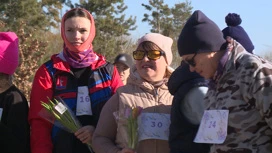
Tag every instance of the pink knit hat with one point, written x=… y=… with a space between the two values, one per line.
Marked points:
x=9 y=52
x=165 y=43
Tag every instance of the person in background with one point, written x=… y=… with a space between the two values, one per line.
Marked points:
x=189 y=89
x=237 y=32
x=78 y=75
x=14 y=127
x=146 y=88
x=123 y=63
x=240 y=88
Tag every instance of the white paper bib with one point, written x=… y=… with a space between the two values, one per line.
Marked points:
x=153 y=126
x=213 y=127
x=83 y=102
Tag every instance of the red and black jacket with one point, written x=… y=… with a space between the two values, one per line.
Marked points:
x=55 y=78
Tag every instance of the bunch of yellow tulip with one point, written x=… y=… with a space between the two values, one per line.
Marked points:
x=132 y=126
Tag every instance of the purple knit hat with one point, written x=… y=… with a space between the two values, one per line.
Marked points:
x=237 y=32
x=9 y=52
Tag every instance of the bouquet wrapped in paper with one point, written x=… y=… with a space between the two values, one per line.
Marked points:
x=59 y=114
x=131 y=115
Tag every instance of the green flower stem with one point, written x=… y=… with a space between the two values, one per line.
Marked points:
x=132 y=132
x=65 y=119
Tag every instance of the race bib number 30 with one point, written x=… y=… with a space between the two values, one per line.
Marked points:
x=213 y=127
x=83 y=102
x=153 y=126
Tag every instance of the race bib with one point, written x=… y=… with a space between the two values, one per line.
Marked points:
x=153 y=126
x=1 y=111
x=213 y=127
x=83 y=102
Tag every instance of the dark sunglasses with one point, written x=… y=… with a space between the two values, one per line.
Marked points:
x=151 y=54
x=191 y=61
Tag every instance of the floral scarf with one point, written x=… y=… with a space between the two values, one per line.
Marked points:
x=79 y=59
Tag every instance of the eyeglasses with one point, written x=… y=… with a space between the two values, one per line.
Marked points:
x=191 y=61
x=151 y=54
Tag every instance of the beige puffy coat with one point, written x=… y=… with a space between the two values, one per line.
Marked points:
x=110 y=134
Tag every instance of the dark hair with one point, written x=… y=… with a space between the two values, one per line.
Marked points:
x=148 y=45
x=77 y=12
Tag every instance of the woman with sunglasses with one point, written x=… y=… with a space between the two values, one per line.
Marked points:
x=146 y=88
x=239 y=99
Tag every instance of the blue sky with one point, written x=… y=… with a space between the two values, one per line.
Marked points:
x=256 y=17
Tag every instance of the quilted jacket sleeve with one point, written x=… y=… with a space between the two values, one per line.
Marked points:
x=40 y=139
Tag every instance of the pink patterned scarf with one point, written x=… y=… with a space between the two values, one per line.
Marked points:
x=79 y=59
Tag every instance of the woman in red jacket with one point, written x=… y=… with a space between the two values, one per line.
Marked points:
x=81 y=77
